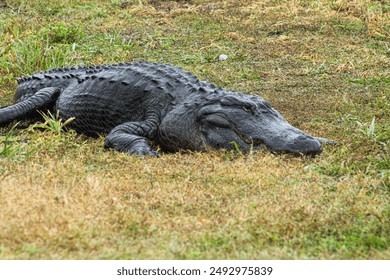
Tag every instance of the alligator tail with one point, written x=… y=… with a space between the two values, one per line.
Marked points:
x=39 y=101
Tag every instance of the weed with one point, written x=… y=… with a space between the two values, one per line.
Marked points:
x=63 y=33
x=231 y=154
x=52 y=122
x=375 y=134
x=236 y=147
x=12 y=148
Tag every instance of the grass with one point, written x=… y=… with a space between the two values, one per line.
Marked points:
x=322 y=63
x=52 y=122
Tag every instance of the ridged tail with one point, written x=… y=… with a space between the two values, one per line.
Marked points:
x=40 y=100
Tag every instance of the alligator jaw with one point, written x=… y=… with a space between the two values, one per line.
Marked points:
x=301 y=145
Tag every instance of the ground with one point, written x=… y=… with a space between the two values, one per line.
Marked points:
x=324 y=64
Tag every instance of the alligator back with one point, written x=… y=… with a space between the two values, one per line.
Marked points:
x=101 y=97
x=60 y=77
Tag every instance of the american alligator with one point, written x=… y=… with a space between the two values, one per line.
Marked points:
x=140 y=105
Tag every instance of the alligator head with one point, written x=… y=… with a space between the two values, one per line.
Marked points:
x=231 y=121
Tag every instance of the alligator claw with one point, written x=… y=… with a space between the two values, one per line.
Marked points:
x=143 y=152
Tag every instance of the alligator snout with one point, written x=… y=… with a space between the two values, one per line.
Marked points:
x=304 y=144
x=296 y=144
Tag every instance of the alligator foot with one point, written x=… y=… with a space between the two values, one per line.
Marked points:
x=142 y=149
x=129 y=138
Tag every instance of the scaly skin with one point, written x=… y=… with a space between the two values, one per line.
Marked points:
x=141 y=104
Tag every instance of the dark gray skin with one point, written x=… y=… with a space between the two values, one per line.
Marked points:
x=140 y=105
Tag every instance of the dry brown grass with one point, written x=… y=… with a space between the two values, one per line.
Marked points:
x=322 y=64
x=158 y=208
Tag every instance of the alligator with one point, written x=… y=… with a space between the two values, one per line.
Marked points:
x=142 y=106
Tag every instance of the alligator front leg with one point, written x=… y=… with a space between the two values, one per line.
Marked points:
x=131 y=138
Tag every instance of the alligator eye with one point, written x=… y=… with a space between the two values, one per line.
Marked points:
x=216 y=120
x=247 y=108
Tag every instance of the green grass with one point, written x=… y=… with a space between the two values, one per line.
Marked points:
x=13 y=148
x=322 y=63
x=52 y=122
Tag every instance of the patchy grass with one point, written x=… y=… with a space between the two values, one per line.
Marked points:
x=322 y=63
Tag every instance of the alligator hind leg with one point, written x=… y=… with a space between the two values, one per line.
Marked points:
x=131 y=138
x=21 y=110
